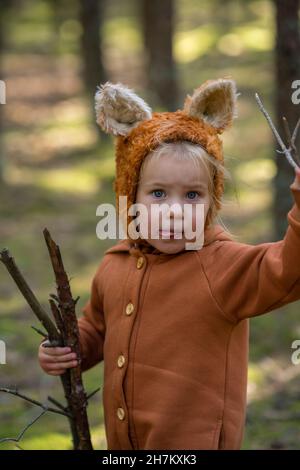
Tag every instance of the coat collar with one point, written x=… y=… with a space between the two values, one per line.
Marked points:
x=214 y=233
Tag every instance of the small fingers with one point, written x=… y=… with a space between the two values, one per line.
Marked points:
x=56 y=351
x=57 y=372
x=58 y=359
x=63 y=365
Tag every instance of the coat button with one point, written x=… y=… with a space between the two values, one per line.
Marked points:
x=120 y=413
x=140 y=262
x=129 y=308
x=121 y=360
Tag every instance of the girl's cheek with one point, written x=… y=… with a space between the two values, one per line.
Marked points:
x=199 y=216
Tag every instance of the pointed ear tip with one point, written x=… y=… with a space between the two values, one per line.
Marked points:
x=228 y=81
x=99 y=90
x=104 y=86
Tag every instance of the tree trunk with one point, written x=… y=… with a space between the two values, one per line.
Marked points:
x=287 y=62
x=158 y=23
x=91 y=17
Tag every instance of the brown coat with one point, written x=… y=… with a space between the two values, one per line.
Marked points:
x=173 y=332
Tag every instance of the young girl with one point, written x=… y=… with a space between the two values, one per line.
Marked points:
x=172 y=323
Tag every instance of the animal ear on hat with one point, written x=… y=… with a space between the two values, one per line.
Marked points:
x=119 y=109
x=215 y=102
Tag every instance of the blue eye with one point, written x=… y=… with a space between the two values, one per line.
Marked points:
x=193 y=192
x=158 y=193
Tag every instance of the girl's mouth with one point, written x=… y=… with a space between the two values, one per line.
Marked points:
x=170 y=234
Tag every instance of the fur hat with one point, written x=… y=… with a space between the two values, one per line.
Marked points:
x=205 y=115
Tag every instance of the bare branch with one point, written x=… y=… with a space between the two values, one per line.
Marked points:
x=285 y=150
x=54 y=297
x=34 y=402
x=57 y=316
x=76 y=397
x=64 y=333
x=93 y=393
x=58 y=404
x=40 y=332
x=293 y=142
x=17 y=439
x=18 y=446
x=291 y=139
x=294 y=136
x=287 y=129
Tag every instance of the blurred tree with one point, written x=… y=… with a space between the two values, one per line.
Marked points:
x=287 y=62
x=91 y=19
x=58 y=10
x=158 y=25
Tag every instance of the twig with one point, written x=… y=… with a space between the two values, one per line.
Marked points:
x=64 y=333
x=53 y=296
x=292 y=138
x=76 y=398
x=34 y=402
x=57 y=403
x=18 y=446
x=17 y=439
x=93 y=393
x=40 y=332
x=285 y=150
x=286 y=129
x=57 y=316
x=15 y=273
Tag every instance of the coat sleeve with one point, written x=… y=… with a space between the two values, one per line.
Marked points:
x=91 y=324
x=250 y=280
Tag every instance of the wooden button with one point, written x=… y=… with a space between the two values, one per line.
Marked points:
x=140 y=262
x=121 y=360
x=120 y=413
x=129 y=308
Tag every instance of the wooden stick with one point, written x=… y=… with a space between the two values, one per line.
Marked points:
x=285 y=150
x=77 y=400
x=65 y=333
x=57 y=316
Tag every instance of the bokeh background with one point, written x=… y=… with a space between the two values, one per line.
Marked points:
x=57 y=167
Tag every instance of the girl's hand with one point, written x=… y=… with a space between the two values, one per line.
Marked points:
x=296 y=182
x=55 y=361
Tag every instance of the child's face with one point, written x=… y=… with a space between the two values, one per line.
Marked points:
x=169 y=181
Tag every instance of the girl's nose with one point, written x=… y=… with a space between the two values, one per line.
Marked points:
x=175 y=211
x=174 y=208
x=175 y=215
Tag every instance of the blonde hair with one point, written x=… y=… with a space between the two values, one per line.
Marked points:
x=186 y=150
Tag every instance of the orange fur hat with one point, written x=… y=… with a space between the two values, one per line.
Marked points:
x=120 y=112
